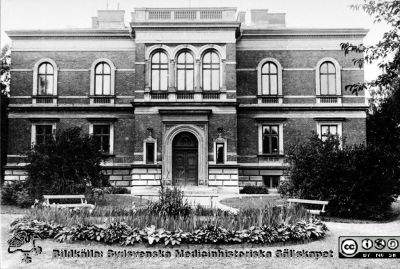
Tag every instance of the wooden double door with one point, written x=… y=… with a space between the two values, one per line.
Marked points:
x=185 y=159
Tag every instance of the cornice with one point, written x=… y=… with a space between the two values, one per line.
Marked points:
x=254 y=33
x=70 y=33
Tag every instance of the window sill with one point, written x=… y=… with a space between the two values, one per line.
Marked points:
x=271 y=155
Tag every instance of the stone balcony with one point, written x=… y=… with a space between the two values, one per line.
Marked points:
x=184 y=14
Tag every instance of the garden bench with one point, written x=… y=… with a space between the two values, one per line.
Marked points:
x=83 y=202
x=310 y=202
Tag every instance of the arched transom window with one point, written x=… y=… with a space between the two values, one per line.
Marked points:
x=327 y=73
x=102 y=84
x=211 y=71
x=45 y=79
x=269 y=79
x=159 y=71
x=185 y=71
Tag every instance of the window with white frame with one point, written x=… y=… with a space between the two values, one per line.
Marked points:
x=42 y=133
x=326 y=129
x=45 y=74
x=270 y=138
x=211 y=68
x=159 y=71
x=269 y=77
x=327 y=73
x=103 y=134
x=102 y=82
x=328 y=77
x=185 y=71
x=45 y=79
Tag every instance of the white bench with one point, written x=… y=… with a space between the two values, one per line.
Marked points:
x=83 y=202
x=310 y=202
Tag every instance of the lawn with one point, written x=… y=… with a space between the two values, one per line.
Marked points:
x=255 y=201
x=114 y=200
x=121 y=200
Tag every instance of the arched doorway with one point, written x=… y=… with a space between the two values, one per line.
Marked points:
x=184 y=159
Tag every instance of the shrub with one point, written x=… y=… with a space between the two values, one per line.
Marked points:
x=116 y=190
x=254 y=190
x=171 y=203
x=358 y=181
x=125 y=235
x=9 y=192
x=23 y=199
x=65 y=164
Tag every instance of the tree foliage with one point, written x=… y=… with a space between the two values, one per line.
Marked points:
x=5 y=62
x=359 y=181
x=65 y=164
x=385 y=52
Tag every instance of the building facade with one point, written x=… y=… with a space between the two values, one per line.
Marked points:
x=206 y=98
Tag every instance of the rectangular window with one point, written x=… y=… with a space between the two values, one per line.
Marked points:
x=101 y=133
x=328 y=129
x=271 y=182
x=44 y=133
x=220 y=152
x=150 y=157
x=270 y=139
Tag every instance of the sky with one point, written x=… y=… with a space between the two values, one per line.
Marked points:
x=57 y=14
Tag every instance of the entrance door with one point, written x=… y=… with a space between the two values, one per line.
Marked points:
x=184 y=159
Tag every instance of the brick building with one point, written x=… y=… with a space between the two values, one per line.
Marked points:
x=207 y=98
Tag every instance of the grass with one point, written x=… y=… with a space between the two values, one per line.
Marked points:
x=110 y=200
x=255 y=201
x=142 y=218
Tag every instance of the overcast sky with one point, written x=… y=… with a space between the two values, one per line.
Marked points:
x=55 y=14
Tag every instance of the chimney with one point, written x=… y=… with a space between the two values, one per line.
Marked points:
x=241 y=17
x=261 y=17
x=109 y=19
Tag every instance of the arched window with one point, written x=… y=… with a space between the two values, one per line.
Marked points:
x=327 y=73
x=102 y=75
x=185 y=71
x=45 y=79
x=211 y=71
x=159 y=71
x=269 y=79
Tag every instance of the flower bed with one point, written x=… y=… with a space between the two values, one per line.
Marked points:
x=125 y=235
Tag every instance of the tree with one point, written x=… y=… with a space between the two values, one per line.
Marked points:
x=65 y=164
x=359 y=181
x=5 y=61
x=385 y=52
